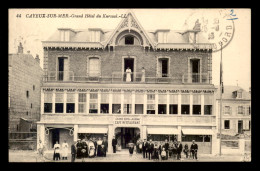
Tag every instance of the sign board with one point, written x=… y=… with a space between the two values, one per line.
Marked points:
x=128 y=121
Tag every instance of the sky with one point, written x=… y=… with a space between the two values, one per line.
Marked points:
x=236 y=55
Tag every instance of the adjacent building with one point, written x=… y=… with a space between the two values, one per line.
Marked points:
x=236 y=110
x=128 y=82
x=24 y=85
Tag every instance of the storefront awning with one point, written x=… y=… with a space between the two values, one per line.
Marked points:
x=92 y=130
x=197 y=131
x=168 y=131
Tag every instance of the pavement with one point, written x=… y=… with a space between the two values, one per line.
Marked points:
x=32 y=156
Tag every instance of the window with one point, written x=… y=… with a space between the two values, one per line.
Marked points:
x=27 y=94
x=70 y=107
x=207 y=109
x=58 y=107
x=104 y=108
x=129 y=40
x=189 y=138
x=93 y=96
x=93 y=108
x=150 y=96
x=94 y=67
x=47 y=107
x=163 y=67
x=207 y=138
x=116 y=108
x=240 y=110
x=27 y=113
x=33 y=87
x=150 y=108
x=127 y=108
x=82 y=103
x=239 y=95
x=173 y=109
x=139 y=108
x=197 y=109
x=227 y=110
x=162 y=109
x=226 y=124
x=31 y=105
x=185 y=109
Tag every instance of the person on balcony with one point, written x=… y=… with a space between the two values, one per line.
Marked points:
x=143 y=75
x=128 y=74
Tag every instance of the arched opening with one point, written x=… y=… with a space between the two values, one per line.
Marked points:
x=126 y=135
x=129 y=38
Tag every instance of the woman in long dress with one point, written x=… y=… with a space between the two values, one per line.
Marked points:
x=65 y=147
x=56 y=155
x=128 y=74
x=99 y=147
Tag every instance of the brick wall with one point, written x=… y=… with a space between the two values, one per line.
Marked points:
x=144 y=58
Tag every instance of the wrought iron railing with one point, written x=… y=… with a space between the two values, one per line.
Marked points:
x=195 y=78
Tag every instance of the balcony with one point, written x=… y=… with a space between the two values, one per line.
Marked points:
x=119 y=77
x=196 y=78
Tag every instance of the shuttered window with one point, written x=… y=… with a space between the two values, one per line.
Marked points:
x=117 y=98
x=208 y=99
x=173 y=99
x=162 y=99
x=127 y=98
x=59 y=98
x=104 y=98
x=185 y=99
x=94 y=68
x=48 y=98
x=139 y=98
x=197 y=99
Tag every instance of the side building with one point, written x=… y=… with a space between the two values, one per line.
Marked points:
x=130 y=83
x=236 y=111
x=24 y=85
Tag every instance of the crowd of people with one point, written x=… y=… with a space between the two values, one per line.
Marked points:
x=91 y=147
x=164 y=150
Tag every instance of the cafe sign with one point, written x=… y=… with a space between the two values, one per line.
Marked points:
x=131 y=121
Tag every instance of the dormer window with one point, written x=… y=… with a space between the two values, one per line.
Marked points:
x=162 y=35
x=95 y=34
x=129 y=40
x=239 y=95
x=65 y=35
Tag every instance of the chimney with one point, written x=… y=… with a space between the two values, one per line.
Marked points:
x=20 y=48
x=197 y=26
x=37 y=58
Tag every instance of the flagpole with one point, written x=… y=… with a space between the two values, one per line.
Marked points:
x=221 y=89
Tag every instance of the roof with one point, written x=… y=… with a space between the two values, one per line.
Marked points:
x=173 y=37
x=228 y=93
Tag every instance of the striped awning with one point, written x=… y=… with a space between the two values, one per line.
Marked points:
x=167 y=131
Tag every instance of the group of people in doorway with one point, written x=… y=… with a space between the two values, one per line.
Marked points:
x=91 y=147
x=164 y=150
x=60 y=151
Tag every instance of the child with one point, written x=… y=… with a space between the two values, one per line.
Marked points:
x=163 y=154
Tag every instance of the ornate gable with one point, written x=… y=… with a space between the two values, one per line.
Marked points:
x=130 y=23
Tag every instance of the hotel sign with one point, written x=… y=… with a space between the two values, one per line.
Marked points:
x=127 y=121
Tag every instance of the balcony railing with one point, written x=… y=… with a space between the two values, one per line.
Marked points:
x=195 y=78
x=119 y=77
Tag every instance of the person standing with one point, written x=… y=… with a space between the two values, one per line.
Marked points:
x=99 y=148
x=40 y=149
x=65 y=147
x=144 y=145
x=131 y=148
x=105 y=144
x=194 y=149
x=56 y=151
x=114 y=143
x=73 y=151
x=128 y=74
x=140 y=145
x=166 y=146
x=143 y=75
x=179 y=150
x=79 y=148
x=95 y=144
x=150 y=148
x=186 y=150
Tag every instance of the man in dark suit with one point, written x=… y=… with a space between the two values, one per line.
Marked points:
x=73 y=151
x=166 y=146
x=105 y=143
x=150 y=148
x=194 y=149
x=95 y=144
x=179 y=150
x=144 y=145
x=114 y=143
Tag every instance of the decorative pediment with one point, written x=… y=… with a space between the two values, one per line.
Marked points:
x=130 y=23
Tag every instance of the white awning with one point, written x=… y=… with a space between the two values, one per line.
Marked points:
x=197 y=131
x=168 y=131
x=92 y=130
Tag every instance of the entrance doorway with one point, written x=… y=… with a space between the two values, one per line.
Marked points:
x=55 y=136
x=129 y=62
x=240 y=126
x=127 y=135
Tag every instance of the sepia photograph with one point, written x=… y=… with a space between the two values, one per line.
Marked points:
x=129 y=85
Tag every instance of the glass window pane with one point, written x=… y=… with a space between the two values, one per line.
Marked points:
x=59 y=98
x=48 y=98
x=82 y=97
x=185 y=99
x=196 y=99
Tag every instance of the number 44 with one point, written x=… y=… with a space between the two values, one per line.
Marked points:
x=18 y=16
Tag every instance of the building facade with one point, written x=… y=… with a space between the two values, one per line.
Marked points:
x=24 y=91
x=236 y=110
x=128 y=82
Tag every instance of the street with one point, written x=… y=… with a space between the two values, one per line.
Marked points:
x=31 y=156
